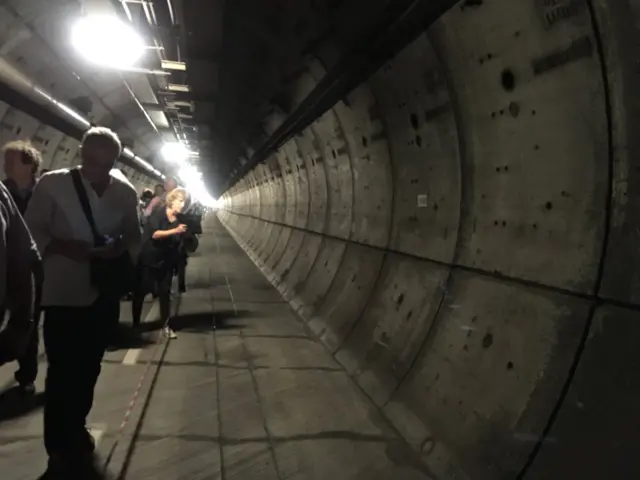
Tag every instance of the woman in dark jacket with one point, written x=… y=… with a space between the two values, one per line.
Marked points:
x=159 y=257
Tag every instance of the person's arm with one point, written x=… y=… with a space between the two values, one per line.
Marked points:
x=18 y=257
x=159 y=234
x=155 y=201
x=154 y=227
x=39 y=215
x=131 y=234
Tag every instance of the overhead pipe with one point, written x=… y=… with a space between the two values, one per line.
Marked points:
x=19 y=91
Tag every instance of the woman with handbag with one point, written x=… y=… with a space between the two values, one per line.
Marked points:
x=159 y=258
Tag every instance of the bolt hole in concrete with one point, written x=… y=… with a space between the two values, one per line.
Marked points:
x=514 y=109
x=414 y=120
x=548 y=205
x=427 y=446
x=487 y=341
x=510 y=366
x=508 y=80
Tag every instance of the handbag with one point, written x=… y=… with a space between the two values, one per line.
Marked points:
x=191 y=243
x=110 y=276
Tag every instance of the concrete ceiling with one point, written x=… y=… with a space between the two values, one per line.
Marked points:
x=244 y=61
x=34 y=36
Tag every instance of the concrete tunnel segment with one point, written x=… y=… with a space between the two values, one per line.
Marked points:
x=462 y=232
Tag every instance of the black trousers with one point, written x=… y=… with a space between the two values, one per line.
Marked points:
x=75 y=339
x=150 y=280
x=182 y=274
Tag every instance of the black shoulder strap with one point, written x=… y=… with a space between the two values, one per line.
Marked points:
x=84 y=202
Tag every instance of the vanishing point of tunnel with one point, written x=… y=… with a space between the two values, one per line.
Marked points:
x=441 y=198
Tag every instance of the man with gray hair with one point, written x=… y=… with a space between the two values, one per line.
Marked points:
x=80 y=218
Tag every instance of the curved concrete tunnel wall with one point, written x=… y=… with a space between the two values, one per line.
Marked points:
x=58 y=150
x=461 y=232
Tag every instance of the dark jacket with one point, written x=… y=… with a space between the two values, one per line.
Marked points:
x=21 y=199
x=160 y=253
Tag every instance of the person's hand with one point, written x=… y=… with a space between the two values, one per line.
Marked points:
x=180 y=228
x=112 y=250
x=76 y=250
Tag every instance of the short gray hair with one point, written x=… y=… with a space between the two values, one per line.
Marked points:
x=105 y=134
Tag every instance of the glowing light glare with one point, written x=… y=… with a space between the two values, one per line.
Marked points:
x=192 y=179
x=190 y=174
x=108 y=41
x=175 y=152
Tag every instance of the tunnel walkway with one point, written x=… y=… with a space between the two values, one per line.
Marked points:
x=258 y=397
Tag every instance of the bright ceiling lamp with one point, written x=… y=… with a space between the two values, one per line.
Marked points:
x=175 y=152
x=108 y=41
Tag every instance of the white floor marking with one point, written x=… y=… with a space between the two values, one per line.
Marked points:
x=131 y=356
x=97 y=432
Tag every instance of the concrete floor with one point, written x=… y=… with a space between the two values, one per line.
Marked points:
x=258 y=397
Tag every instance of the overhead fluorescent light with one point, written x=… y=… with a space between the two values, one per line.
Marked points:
x=108 y=41
x=174 y=87
x=170 y=65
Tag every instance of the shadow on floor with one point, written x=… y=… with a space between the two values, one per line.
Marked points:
x=203 y=284
x=192 y=322
x=126 y=338
x=198 y=322
x=14 y=403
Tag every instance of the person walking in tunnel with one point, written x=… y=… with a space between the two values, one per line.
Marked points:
x=85 y=223
x=161 y=192
x=17 y=286
x=160 y=257
x=192 y=218
x=21 y=164
x=145 y=199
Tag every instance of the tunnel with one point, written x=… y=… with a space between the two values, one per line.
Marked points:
x=442 y=194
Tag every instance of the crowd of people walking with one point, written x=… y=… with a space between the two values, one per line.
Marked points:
x=88 y=226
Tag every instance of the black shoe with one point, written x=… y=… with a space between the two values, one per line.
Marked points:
x=57 y=469
x=82 y=467
x=28 y=389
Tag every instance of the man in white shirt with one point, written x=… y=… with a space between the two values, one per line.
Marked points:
x=77 y=316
